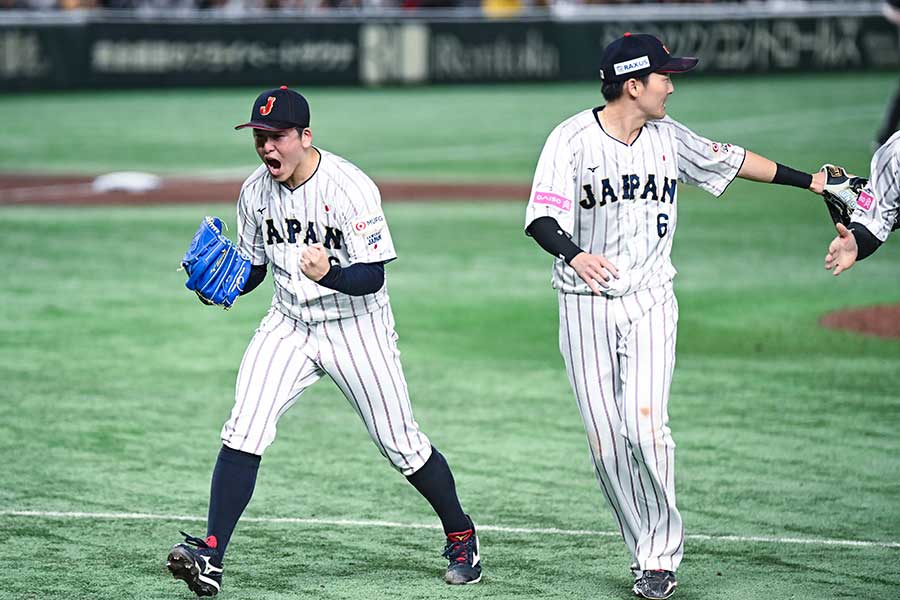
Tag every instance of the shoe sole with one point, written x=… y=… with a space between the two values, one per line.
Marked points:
x=640 y=595
x=182 y=566
x=470 y=582
x=476 y=580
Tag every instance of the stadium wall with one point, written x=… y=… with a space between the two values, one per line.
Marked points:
x=98 y=51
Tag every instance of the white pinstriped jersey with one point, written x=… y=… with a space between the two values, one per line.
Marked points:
x=879 y=201
x=339 y=206
x=312 y=331
x=620 y=200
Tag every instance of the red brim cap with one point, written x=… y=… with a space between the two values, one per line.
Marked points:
x=678 y=64
x=267 y=126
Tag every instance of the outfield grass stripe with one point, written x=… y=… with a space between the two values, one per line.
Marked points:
x=496 y=528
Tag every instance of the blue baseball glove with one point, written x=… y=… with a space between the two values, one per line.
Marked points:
x=216 y=271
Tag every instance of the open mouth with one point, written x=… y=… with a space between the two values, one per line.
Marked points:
x=273 y=163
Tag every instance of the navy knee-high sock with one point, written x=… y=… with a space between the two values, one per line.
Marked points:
x=232 y=486
x=435 y=481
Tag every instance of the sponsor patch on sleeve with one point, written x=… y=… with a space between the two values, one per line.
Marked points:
x=369 y=224
x=373 y=238
x=554 y=200
x=865 y=200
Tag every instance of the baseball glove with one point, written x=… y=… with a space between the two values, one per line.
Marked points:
x=216 y=271
x=841 y=192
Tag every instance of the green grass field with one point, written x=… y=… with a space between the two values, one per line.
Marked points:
x=116 y=381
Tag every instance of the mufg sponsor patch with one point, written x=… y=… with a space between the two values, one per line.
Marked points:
x=369 y=224
x=635 y=64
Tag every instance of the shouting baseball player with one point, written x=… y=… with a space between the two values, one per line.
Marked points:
x=317 y=220
x=876 y=214
x=604 y=203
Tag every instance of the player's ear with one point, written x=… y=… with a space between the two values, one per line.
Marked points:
x=634 y=86
x=306 y=137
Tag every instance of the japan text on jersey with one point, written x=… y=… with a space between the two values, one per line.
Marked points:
x=620 y=200
x=339 y=207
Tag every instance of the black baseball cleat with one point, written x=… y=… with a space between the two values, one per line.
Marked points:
x=465 y=561
x=197 y=562
x=635 y=570
x=656 y=585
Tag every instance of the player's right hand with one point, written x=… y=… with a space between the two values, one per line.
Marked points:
x=314 y=262
x=593 y=270
x=842 y=251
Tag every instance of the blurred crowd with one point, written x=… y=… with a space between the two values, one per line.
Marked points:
x=306 y=5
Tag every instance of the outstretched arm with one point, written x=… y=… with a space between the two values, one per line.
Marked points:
x=760 y=168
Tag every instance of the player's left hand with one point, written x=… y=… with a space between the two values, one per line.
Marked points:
x=842 y=251
x=314 y=262
x=217 y=271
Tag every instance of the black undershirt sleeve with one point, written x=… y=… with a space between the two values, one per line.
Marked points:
x=866 y=242
x=256 y=276
x=357 y=279
x=551 y=237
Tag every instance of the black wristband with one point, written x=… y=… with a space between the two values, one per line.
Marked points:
x=866 y=242
x=788 y=176
x=551 y=237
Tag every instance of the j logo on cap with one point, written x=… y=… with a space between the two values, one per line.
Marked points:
x=277 y=110
x=265 y=110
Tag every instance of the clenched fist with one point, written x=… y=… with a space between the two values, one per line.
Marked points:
x=314 y=262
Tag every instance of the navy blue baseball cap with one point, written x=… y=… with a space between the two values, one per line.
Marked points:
x=638 y=54
x=275 y=110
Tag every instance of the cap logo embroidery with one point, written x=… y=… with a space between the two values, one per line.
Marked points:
x=265 y=110
x=635 y=64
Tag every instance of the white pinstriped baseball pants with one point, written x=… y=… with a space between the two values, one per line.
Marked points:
x=620 y=355
x=285 y=357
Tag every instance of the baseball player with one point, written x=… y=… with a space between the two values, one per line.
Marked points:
x=891 y=10
x=876 y=213
x=317 y=220
x=604 y=203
